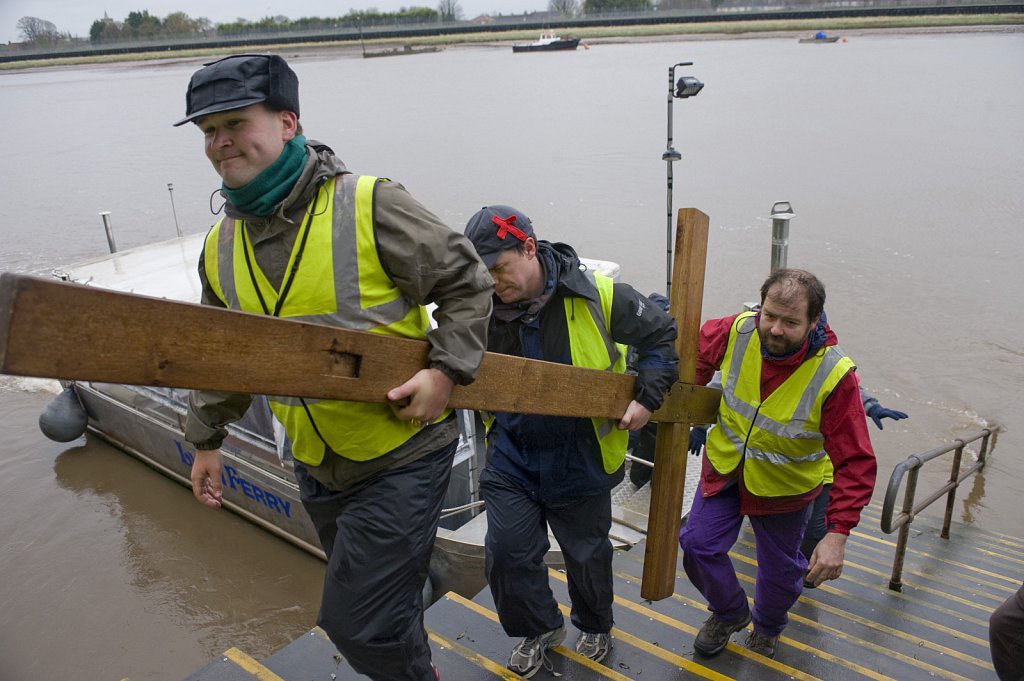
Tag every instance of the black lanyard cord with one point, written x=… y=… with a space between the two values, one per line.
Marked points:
x=295 y=264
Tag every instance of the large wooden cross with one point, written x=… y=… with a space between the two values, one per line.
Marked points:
x=55 y=329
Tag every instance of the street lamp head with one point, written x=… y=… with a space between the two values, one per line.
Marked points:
x=687 y=86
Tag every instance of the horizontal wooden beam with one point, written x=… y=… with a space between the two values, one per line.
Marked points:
x=56 y=329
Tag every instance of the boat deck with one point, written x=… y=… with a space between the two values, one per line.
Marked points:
x=852 y=628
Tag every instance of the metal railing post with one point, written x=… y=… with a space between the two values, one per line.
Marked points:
x=983 y=454
x=895 y=580
x=954 y=479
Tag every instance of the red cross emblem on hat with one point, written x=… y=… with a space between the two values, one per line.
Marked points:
x=506 y=227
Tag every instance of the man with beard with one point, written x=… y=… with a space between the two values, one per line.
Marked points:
x=790 y=404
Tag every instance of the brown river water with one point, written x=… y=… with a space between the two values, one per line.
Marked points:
x=901 y=155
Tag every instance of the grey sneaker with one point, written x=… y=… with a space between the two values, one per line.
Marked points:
x=594 y=646
x=762 y=644
x=715 y=634
x=530 y=654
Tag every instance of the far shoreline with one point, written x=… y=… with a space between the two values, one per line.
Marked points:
x=737 y=30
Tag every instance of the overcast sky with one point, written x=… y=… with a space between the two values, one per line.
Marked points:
x=76 y=16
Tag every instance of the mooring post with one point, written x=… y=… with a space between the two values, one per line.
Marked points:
x=109 y=230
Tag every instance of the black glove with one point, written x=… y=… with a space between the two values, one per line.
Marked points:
x=877 y=412
x=698 y=436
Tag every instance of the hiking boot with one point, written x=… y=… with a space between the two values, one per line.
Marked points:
x=531 y=653
x=714 y=635
x=594 y=646
x=762 y=644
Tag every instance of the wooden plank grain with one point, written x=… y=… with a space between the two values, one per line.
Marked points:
x=55 y=329
x=670 y=451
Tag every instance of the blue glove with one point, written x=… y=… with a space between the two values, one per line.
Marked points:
x=877 y=412
x=698 y=436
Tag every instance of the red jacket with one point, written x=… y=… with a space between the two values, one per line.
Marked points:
x=843 y=424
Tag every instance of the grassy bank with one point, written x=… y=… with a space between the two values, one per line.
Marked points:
x=710 y=30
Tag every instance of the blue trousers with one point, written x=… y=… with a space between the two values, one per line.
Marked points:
x=378 y=536
x=712 y=529
x=517 y=539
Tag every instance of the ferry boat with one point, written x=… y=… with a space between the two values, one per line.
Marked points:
x=548 y=42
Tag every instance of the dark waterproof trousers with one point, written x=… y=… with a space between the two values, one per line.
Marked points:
x=1006 y=636
x=712 y=528
x=517 y=539
x=378 y=536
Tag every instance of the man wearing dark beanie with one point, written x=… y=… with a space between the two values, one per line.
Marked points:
x=552 y=470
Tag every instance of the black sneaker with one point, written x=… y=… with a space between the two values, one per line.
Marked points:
x=762 y=644
x=715 y=634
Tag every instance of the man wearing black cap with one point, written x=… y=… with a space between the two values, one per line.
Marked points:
x=304 y=238
x=558 y=471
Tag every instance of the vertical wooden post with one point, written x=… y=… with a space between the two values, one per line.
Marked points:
x=670 y=456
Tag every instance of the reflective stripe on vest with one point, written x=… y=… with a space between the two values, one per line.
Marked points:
x=339 y=281
x=779 y=439
x=592 y=347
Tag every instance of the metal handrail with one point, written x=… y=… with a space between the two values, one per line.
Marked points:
x=455 y=510
x=637 y=459
x=912 y=464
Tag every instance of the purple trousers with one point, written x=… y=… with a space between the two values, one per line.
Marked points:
x=713 y=526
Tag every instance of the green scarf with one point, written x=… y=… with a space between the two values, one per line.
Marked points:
x=269 y=188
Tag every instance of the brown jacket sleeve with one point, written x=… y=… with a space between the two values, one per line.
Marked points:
x=431 y=263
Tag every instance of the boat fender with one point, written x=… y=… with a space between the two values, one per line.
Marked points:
x=64 y=418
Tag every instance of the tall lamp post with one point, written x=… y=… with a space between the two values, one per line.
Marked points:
x=686 y=86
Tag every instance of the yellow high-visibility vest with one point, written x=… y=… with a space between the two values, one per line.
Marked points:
x=335 y=277
x=778 y=440
x=592 y=347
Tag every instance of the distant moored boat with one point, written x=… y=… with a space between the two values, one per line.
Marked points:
x=820 y=37
x=548 y=42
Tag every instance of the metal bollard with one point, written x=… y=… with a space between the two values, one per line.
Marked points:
x=110 y=231
x=782 y=212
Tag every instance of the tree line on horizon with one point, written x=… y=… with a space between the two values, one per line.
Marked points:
x=141 y=25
